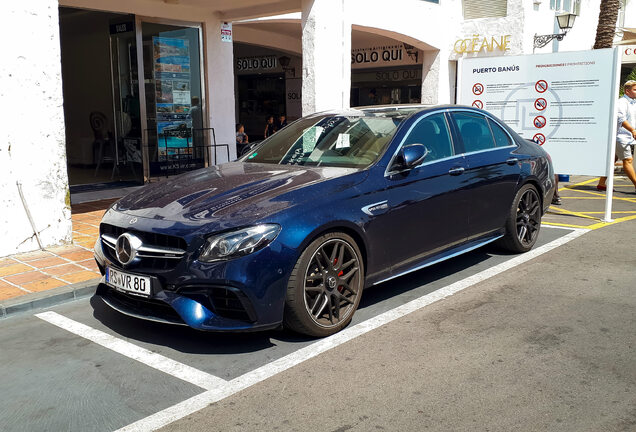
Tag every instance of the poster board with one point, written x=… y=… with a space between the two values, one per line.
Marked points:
x=564 y=101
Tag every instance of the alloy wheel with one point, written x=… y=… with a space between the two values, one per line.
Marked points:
x=332 y=283
x=528 y=217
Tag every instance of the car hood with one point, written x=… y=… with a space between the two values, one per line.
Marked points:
x=234 y=191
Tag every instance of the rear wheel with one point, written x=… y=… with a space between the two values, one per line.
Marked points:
x=325 y=287
x=524 y=221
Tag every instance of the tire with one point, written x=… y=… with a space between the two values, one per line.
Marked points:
x=325 y=286
x=523 y=222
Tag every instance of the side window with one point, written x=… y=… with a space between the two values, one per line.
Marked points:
x=432 y=131
x=474 y=131
x=502 y=139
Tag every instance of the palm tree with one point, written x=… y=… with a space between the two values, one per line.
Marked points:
x=606 y=23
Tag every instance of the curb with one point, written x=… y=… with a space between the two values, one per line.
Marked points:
x=48 y=298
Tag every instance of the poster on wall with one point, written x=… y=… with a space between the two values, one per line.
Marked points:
x=171 y=66
x=563 y=101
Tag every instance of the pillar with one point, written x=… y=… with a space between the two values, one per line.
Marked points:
x=219 y=61
x=436 y=78
x=326 y=41
x=32 y=138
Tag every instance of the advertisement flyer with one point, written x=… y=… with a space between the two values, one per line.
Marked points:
x=563 y=101
x=171 y=57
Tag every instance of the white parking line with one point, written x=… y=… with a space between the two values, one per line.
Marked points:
x=197 y=403
x=142 y=355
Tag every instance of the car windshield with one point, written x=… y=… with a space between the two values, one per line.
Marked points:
x=329 y=140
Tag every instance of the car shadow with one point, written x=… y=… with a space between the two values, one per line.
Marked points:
x=427 y=276
x=187 y=340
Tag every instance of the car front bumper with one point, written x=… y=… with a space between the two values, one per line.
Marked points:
x=244 y=294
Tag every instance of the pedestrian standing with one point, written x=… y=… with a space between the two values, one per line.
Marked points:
x=282 y=122
x=625 y=134
x=269 y=127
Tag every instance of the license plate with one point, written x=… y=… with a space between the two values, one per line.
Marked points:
x=130 y=283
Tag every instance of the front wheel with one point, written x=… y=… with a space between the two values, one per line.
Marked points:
x=524 y=221
x=325 y=286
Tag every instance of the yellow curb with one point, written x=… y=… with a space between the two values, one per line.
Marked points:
x=615 y=221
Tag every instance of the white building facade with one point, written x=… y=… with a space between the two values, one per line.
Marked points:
x=103 y=91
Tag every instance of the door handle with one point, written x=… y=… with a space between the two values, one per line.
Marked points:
x=512 y=161
x=456 y=171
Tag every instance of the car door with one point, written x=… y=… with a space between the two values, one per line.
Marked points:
x=422 y=210
x=493 y=170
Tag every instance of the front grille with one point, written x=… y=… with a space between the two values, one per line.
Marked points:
x=158 y=252
x=228 y=305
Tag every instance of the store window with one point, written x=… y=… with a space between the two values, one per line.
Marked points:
x=175 y=127
x=485 y=8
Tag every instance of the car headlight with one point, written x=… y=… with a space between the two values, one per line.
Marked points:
x=238 y=243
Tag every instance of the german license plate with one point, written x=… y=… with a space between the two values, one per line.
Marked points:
x=130 y=283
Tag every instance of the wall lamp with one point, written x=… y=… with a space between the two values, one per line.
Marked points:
x=565 y=21
x=284 y=62
x=411 y=51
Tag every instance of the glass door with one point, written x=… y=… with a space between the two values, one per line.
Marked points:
x=127 y=152
x=176 y=136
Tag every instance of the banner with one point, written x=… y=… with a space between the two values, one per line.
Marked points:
x=563 y=101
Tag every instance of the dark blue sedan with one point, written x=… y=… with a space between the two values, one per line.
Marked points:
x=335 y=202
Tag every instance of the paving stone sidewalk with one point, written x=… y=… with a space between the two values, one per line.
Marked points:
x=33 y=272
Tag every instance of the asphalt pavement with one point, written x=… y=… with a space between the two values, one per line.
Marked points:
x=486 y=341
x=547 y=346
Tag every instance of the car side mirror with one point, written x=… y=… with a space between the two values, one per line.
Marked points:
x=410 y=156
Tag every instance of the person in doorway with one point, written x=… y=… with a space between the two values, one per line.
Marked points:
x=269 y=127
x=241 y=137
x=373 y=100
x=282 y=122
x=626 y=134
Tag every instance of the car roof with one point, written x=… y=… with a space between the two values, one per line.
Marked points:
x=403 y=110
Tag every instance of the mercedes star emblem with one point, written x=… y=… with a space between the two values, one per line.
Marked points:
x=127 y=247
x=332 y=282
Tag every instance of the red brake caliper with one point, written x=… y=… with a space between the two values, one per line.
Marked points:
x=340 y=287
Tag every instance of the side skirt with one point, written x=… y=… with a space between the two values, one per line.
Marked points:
x=451 y=253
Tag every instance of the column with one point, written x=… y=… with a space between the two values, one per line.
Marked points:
x=32 y=138
x=436 y=78
x=326 y=55
x=219 y=61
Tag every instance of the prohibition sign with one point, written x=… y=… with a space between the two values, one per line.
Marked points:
x=478 y=89
x=539 y=138
x=541 y=86
x=478 y=104
x=539 y=121
x=540 y=104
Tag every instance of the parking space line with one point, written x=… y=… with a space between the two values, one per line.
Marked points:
x=564 y=227
x=142 y=355
x=199 y=402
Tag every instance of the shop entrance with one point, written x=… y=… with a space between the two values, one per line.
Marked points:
x=260 y=96
x=120 y=130
x=386 y=86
